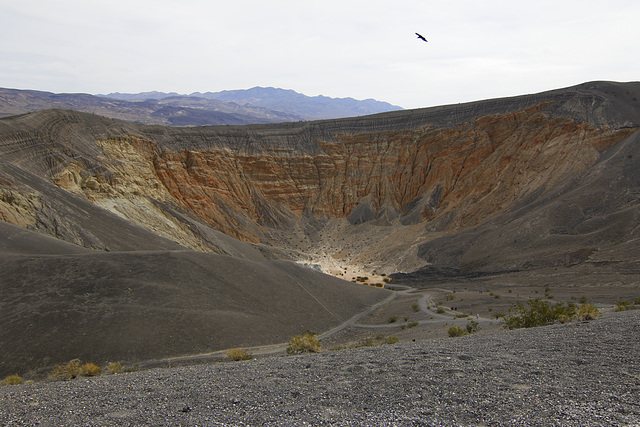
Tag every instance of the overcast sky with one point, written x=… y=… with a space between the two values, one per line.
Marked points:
x=346 y=48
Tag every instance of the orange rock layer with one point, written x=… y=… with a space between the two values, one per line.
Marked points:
x=453 y=177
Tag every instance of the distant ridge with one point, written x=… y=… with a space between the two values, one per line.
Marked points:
x=311 y=107
x=253 y=106
x=282 y=100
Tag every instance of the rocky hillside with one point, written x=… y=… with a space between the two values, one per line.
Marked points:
x=523 y=184
x=574 y=375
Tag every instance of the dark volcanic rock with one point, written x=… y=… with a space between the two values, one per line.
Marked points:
x=589 y=219
x=571 y=375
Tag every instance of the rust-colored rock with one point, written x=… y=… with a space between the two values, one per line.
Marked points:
x=465 y=174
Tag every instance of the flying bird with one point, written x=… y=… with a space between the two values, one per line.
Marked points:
x=421 y=38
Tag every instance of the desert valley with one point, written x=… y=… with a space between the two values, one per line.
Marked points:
x=156 y=246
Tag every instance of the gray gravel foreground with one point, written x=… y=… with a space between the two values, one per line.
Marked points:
x=579 y=374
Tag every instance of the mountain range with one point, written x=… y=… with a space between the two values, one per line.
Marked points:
x=257 y=105
x=126 y=241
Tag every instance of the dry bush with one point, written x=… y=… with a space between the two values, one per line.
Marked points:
x=308 y=342
x=74 y=368
x=472 y=326
x=588 y=312
x=538 y=312
x=456 y=331
x=12 y=380
x=90 y=370
x=238 y=354
x=624 y=305
x=66 y=372
x=377 y=341
x=113 y=368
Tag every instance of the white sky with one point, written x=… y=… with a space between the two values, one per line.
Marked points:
x=348 y=48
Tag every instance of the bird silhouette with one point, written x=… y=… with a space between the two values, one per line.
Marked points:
x=421 y=38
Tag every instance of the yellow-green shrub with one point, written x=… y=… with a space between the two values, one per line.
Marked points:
x=588 y=312
x=624 y=305
x=377 y=341
x=12 y=380
x=456 y=331
x=114 y=368
x=74 y=368
x=237 y=354
x=308 y=342
x=538 y=312
x=66 y=372
x=90 y=370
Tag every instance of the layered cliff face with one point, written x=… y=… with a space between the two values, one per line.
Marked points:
x=451 y=178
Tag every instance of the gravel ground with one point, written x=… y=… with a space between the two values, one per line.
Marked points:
x=579 y=374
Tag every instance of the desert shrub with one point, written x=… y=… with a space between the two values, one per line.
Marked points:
x=415 y=308
x=113 y=368
x=588 y=312
x=456 y=331
x=472 y=326
x=412 y=324
x=624 y=305
x=66 y=372
x=74 y=368
x=90 y=370
x=393 y=319
x=440 y=310
x=238 y=354
x=378 y=341
x=369 y=342
x=12 y=380
x=538 y=313
x=58 y=373
x=308 y=342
